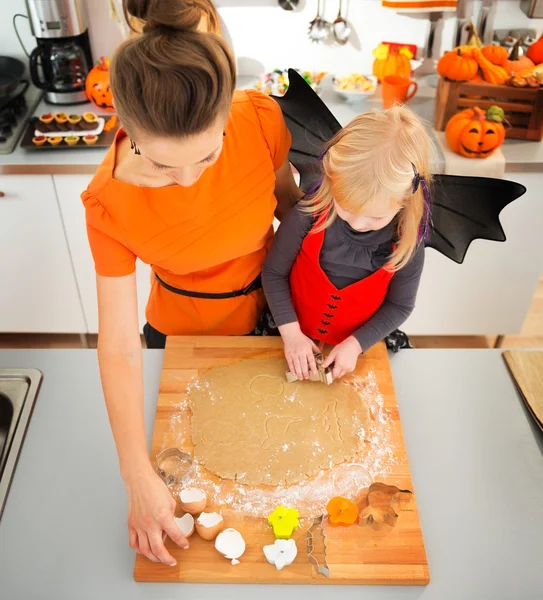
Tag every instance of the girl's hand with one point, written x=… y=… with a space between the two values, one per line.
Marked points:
x=151 y=510
x=344 y=357
x=299 y=350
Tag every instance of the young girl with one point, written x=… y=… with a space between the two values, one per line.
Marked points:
x=345 y=265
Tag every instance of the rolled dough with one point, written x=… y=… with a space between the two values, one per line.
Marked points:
x=250 y=425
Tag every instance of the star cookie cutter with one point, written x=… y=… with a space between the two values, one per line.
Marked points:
x=324 y=375
x=173 y=466
x=316 y=535
x=380 y=501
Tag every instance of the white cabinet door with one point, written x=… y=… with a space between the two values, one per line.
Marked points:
x=38 y=292
x=69 y=188
x=490 y=293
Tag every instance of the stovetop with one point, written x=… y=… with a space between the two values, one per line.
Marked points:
x=15 y=112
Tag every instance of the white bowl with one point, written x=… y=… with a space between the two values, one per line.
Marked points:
x=354 y=96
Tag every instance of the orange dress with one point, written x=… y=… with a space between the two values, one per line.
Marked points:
x=211 y=237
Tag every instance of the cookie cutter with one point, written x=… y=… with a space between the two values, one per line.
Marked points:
x=324 y=375
x=173 y=466
x=317 y=527
x=380 y=502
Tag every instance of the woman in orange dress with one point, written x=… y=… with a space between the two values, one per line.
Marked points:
x=190 y=186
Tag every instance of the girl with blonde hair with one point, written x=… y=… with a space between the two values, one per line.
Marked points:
x=345 y=265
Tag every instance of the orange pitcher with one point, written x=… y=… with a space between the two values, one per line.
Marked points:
x=395 y=88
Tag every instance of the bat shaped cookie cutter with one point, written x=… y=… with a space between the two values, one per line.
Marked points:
x=312 y=541
x=323 y=375
x=380 y=503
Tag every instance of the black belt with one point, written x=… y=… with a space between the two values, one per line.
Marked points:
x=256 y=284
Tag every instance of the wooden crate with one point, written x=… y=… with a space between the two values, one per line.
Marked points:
x=523 y=106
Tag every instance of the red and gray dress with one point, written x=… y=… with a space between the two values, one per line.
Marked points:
x=334 y=282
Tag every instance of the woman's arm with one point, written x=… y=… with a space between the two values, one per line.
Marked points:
x=151 y=506
x=286 y=191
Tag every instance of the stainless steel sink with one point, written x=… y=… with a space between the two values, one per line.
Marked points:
x=18 y=391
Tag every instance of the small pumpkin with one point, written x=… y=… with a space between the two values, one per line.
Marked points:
x=391 y=62
x=342 y=511
x=491 y=73
x=97 y=86
x=457 y=66
x=497 y=55
x=535 y=51
x=517 y=63
x=475 y=134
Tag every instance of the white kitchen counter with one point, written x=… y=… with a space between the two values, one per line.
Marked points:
x=475 y=455
x=520 y=156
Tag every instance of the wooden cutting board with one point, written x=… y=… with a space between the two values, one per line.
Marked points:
x=527 y=371
x=356 y=555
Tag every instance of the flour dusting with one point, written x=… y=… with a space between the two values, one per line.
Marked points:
x=310 y=496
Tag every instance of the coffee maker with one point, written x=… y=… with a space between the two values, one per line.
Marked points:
x=62 y=59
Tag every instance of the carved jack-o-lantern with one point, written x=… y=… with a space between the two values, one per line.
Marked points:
x=97 y=86
x=474 y=133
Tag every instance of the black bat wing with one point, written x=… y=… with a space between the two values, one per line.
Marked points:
x=311 y=125
x=467 y=208
x=463 y=208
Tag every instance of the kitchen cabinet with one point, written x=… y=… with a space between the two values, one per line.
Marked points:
x=69 y=188
x=490 y=293
x=38 y=289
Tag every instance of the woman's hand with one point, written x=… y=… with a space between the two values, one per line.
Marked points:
x=151 y=511
x=344 y=356
x=299 y=350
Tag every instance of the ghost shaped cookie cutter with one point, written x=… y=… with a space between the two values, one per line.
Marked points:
x=380 y=501
x=324 y=375
x=173 y=466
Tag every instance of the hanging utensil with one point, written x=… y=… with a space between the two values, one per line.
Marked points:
x=340 y=27
x=319 y=28
x=288 y=4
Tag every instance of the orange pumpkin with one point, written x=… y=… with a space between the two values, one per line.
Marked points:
x=391 y=62
x=535 y=51
x=517 y=63
x=341 y=511
x=457 y=66
x=497 y=55
x=475 y=134
x=98 y=88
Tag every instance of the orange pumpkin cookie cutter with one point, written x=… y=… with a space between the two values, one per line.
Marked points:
x=380 y=505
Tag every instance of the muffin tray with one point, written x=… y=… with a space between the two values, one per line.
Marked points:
x=80 y=129
x=35 y=128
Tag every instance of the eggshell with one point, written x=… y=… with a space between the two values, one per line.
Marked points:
x=230 y=544
x=186 y=524
x=209 y=525
x=193 y=500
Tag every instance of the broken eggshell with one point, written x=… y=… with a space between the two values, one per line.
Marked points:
x=193 y=500
x=185 y=524
x=230 y=544
x=209 y=525
x=281 y=554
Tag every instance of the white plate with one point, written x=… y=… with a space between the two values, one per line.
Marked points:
x=80 y=133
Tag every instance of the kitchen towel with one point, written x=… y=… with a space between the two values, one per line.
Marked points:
x=454 y=164
x=421 y=5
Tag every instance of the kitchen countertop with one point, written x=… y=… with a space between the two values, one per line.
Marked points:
x=476 y=461
x=520 y=156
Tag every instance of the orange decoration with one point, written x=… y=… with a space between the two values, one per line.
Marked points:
x=517 y=63
x=457 y=65
x=97 y=86
x=535 y=51
x=391 y=62
x=342 y=511
x=475 y=134
x=491 y=73
x=497 y=55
